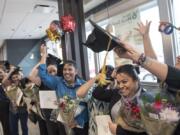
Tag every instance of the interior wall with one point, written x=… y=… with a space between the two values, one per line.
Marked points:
x=1 y=43
x=24 y=53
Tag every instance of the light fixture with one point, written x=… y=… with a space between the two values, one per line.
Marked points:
x=32 y=56
x=43 y=8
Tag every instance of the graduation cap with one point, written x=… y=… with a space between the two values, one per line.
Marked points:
x=53 y=60
x=99 y=40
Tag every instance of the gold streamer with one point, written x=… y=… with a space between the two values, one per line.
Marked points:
x=52 y=36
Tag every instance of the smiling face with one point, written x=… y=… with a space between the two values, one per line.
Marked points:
x=16 y=78
x=69 y=73
x=126 y=84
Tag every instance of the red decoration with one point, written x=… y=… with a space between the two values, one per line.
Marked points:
x=157 y=105
x=68 y=23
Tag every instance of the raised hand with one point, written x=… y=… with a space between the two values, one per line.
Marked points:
x=143 y=29
x=130 y=52
x=43 y=50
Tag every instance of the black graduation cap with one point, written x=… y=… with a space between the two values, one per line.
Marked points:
x=53 y=60
x=99 y=38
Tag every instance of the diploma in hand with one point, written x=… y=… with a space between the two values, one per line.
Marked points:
x=102 y=124
x=48 y=99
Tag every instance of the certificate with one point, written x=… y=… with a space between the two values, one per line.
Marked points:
x=102 y=124
x=48 y=99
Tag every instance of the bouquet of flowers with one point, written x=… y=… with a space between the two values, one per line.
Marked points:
x=31 y=91
x=130 y=116
x=67 y=110
x=160 y=114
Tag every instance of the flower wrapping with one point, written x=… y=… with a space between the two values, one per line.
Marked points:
x=68 y=110
x=130 y=115
x=160 y=114
x=31 y=91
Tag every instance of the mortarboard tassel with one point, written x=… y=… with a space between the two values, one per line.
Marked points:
x=102 y=80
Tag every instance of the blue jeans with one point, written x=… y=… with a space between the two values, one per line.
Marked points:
x=14 y=118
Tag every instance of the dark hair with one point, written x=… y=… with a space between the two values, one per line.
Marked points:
x=5 y=65
x=15 y=72
x=130 y=70
x=24 y=81
x=109 y=70
x=56 y=22
x=71 y=63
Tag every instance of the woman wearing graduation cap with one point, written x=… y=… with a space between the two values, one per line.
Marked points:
x=129 y=87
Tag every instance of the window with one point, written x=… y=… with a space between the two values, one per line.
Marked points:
x=176 y=19
x=148 y=11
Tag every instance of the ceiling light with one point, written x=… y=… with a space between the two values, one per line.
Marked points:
x=43 y=8
x=32 y=56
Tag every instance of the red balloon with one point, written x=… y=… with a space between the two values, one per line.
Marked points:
x=68 y=23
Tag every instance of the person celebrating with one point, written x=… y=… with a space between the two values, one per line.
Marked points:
x=66 y=86
x=122 y=101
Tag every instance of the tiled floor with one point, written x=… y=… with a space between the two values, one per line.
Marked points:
x=33 y=129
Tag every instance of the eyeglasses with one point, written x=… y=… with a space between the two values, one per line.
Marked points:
x=167 y=28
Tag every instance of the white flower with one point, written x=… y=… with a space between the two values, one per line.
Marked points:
x=169 y=115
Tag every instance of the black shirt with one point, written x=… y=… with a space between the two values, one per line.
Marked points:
x=3 y=96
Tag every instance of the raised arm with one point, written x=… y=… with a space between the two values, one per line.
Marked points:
x=33 y=75
x=43 y=52
x=5 y=81
x=83 y=90
x=155 y=67
x=48 y=80
x=143 y=29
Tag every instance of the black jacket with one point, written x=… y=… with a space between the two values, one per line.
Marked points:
x=112 y=96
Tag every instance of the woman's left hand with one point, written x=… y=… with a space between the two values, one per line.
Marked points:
x=112 y=127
